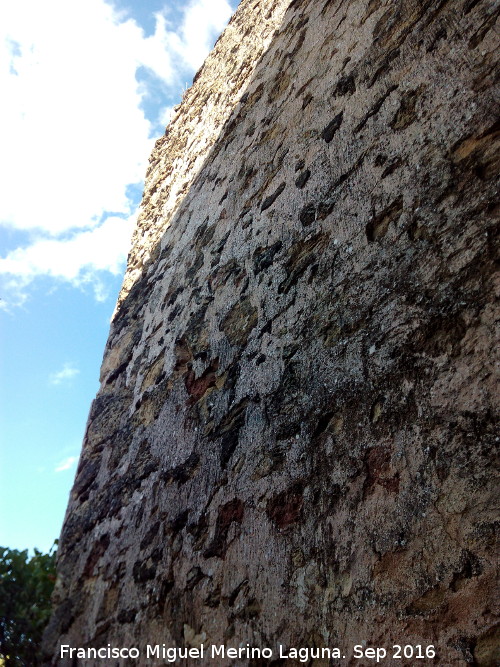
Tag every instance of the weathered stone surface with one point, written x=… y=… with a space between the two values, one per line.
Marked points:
x=294 y=436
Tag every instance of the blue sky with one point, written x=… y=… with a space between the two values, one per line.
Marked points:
x=89 y=86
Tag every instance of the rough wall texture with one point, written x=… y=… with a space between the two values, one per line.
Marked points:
x=294 y=435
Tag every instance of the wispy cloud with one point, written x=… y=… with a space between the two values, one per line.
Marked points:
x=79 y=259
x=75 y=135
x=66 y=464
x=68 y=372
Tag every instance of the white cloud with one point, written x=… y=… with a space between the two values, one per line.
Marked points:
x=68 y=372
x=74 y=134
x=66 y=464
x=78 y=259
x=188 y=45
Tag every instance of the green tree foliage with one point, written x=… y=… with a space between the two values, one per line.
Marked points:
x=26 y=585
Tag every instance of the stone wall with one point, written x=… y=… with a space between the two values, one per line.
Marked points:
x=294 y=435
